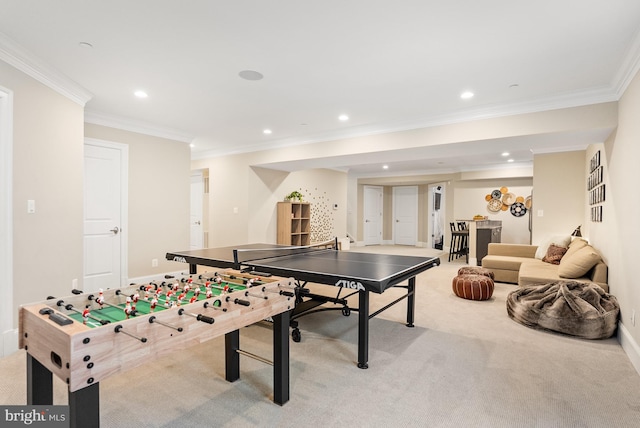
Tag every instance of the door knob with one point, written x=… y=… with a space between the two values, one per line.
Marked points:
x=115 y=230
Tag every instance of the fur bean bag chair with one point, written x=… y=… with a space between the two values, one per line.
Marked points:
x=579 y=309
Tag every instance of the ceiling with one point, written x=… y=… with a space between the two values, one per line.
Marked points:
x=388 y=65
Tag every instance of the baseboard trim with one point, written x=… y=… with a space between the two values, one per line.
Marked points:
x=629 y=345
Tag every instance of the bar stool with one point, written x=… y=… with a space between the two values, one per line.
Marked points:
x=462 y=226
x=459 y=240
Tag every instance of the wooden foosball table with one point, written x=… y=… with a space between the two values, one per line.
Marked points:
x=86 y=337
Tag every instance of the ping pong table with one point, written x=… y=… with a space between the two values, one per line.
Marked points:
x=354 y=272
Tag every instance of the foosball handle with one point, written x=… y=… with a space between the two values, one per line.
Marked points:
x=240 y=302
x=76 y=291
x=287 y=293
x=205 y=318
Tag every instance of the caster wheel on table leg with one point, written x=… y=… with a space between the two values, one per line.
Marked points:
x=295 y=335
x=363 y=365
x=346 y=311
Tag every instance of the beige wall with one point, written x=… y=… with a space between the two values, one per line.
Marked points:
x=559 y=192
x=469 y=200
x=47 y=167
x=618 y=234
x=158 y=200
x=243 y=199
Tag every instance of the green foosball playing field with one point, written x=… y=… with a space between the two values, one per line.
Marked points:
x=115 y=309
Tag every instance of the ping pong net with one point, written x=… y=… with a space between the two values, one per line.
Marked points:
x=243 y=256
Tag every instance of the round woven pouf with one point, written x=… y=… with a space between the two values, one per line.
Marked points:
x=475 y=270
x=473 y=287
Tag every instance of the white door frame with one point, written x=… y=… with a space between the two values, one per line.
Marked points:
x=9 y=339
x=197 y=174
x=124 y=202
x=431 y=221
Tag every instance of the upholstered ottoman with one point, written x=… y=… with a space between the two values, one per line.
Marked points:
x=475 y=270
x=473 y=287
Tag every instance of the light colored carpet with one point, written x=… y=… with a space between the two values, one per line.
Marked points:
x=465 y=364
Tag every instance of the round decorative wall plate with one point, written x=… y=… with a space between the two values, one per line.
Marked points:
x=496 y=194
x=508 y=198
x=494 y=205
x=518 y=209
x=527 y=203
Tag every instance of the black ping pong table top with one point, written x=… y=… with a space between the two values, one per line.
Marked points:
x=350 y=269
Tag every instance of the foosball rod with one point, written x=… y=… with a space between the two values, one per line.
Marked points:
x=91 y=299
x=238 y=301
x=153 y=320
x=245 y=281
x=213 y=305
x=281 y=292
x=257 y=296
x=70 y=307
x=119 y=329
x=217 y=287
x=199 y=317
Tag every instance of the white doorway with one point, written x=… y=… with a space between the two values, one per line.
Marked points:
x=9 y=338
x=372 y=215
x=436 y=216
x=105 y=218
x=405 y=215
x=196 y=226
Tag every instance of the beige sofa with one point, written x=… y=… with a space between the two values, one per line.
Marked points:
x=517 y=263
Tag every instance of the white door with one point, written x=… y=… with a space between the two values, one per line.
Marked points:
x=104 y=237
x=197 y=194
x=372 y=215
x=405 y=215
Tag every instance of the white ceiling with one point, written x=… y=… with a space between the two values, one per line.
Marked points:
x=388 y=65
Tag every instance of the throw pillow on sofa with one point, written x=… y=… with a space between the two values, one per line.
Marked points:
x=575 y=245
x=578 y=263
x=560 y=241
x=554 y=254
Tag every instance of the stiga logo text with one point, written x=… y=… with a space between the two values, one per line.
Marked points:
x=179 y=259
x=350 y=284
x=37 y=416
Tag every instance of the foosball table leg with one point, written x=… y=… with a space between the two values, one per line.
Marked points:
x=84 y=407
x=232 y=358
x=39 y=383
x=281 y=358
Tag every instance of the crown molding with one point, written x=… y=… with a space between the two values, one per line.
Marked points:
x=15 y=55
x=139 y=127
x=629 y=68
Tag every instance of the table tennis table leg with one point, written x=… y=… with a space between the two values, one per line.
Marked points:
x=363 y=329
x=411 y=301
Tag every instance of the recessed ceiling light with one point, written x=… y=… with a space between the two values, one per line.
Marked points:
x=250 y=75
x=343 y=117
x=505 y=154
x=510 y=160
x=140 y=94
x=85 y=45
x=266 y=131
x=192 y=145
x=385 y=166
x=466 y=95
